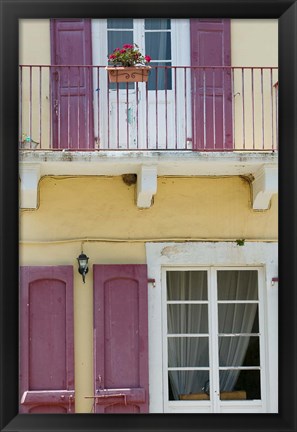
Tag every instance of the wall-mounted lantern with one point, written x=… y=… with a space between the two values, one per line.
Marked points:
x=83 y=268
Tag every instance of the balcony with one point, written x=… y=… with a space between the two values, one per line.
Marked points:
x=180 y=108
x=184 y=121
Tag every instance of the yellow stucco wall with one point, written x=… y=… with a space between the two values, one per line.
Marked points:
x=34 y=41
x=254 y=42
x=199 y=208
x=102 y=208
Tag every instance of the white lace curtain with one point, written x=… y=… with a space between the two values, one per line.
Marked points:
x=235 y=318
x=190 y=319
x=193 y=319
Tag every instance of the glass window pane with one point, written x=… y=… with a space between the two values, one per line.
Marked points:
x=158 y=45
x=160 y=77
x=157 y=24
x=237 y=285
x=240 y=385
x=187 y=318
x=117 y=39
x=186 y=285
x=188 y=385
x=238 y=318
x=239 y=351
x=188 y=352
x=122 y=23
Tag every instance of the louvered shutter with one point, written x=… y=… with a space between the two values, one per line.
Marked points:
x=211 y=88
x=72 y=86
x=121 y=338
x=46 y=340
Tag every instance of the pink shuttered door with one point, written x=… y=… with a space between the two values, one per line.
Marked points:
x=46 y=340
x=211 y=87
x=72 y=104
x=121 y=338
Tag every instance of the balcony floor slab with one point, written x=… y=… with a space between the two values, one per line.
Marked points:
x=169 y=163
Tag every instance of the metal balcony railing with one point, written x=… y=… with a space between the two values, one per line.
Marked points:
x=180 y=108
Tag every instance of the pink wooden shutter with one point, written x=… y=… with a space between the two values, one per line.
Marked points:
x=211 y=88
x=121 y=338
x=72 y=87
x=46 y=340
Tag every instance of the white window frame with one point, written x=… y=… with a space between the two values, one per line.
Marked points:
x=259 y=255
x=215 y=405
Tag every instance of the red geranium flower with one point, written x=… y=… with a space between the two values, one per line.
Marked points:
x=128 y=55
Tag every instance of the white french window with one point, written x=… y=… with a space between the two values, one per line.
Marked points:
x=213 y=338
x=219 y=328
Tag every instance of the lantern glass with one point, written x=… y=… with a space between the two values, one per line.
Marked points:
x=83 y=261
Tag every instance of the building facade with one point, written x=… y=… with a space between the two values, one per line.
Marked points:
x=170 y=189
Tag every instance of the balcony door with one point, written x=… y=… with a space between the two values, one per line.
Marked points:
x=139 y=115
x=122 y=129
x=71 y=84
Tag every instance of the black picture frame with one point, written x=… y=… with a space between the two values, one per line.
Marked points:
x=286 y=12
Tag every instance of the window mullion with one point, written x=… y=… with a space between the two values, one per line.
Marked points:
x=213 y=336
x=138 y=34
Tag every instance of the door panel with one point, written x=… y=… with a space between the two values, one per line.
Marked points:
x=55 y=409
x=163 y=111
x=122 y=409
x=123 y=106
x=121 y=338
x=120 y=334
x=72 y=86
x=46 y=339
x=47 y=308
x=211 y=87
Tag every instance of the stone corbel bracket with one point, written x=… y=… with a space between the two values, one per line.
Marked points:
x=146 y=185
x=29 y=176
x=265 y=184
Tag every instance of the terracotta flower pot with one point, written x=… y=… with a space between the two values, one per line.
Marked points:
x=128 y=74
